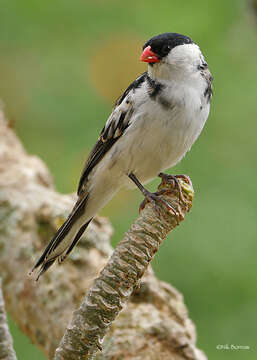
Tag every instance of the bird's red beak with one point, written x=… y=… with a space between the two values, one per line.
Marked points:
x=149 y=56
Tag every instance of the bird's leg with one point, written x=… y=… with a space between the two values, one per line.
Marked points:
x=174 y=178
x=154 y=198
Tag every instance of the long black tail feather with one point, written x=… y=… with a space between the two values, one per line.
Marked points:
x=46 y=265
x=78 y=210
x=77 y=237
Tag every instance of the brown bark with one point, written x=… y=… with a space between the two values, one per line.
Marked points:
x=153 y=325
x=6 y=344
x=120 y=277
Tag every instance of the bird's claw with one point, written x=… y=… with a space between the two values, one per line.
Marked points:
x=174 y=178
x=155 y=198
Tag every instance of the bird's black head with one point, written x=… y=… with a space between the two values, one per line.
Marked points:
x=162 y=44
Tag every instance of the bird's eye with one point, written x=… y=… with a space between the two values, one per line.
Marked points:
x=166 y=49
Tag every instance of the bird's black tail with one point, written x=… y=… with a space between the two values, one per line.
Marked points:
x=51 y=252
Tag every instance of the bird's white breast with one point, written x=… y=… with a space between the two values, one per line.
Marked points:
x=160 y=136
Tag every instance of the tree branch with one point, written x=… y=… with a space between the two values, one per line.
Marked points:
x=120 y=277
x=155 y=322
x=6 y=344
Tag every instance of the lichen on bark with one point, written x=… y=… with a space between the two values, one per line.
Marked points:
x=120 y=277
x=6 y=343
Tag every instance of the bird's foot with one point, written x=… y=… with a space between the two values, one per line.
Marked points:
x=174 y=179
x=154 y=198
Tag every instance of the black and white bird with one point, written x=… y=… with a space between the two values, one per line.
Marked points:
x=152 y=126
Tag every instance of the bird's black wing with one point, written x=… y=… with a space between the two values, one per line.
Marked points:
x=132 y=87
x=115 y=126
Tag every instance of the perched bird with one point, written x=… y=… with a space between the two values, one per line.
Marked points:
x=152 y=126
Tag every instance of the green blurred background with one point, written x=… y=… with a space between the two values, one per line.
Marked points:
x=62 y=65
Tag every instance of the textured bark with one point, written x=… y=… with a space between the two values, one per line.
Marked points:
x=120 y=277
x=6 y=344
x=153 y=325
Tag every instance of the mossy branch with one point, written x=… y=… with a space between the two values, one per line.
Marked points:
x=6 y=344
x=120 y=277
